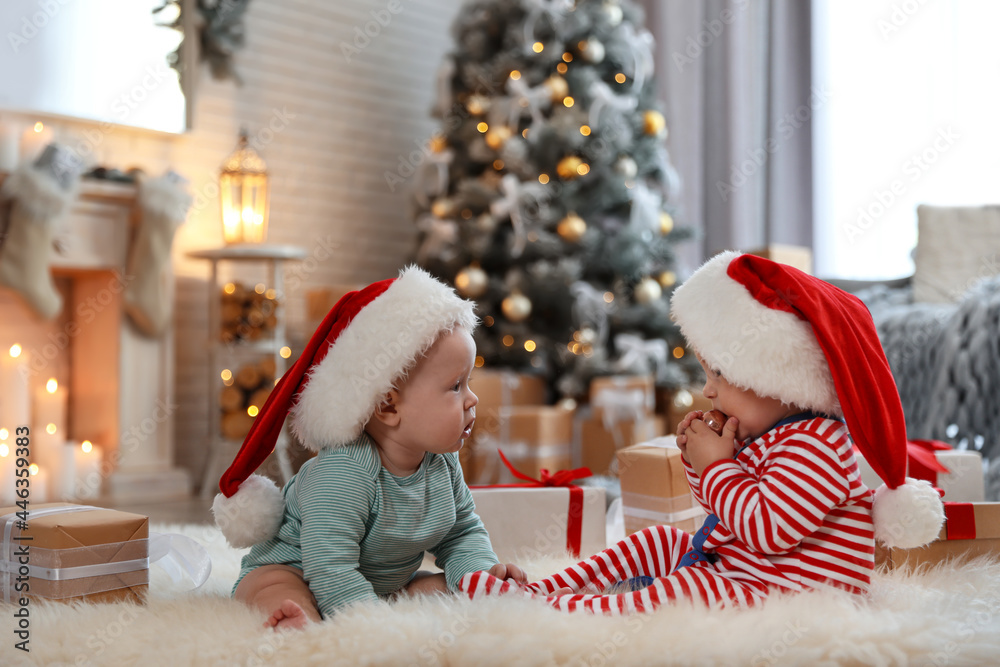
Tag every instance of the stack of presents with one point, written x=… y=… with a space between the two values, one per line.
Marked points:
x=534 y=500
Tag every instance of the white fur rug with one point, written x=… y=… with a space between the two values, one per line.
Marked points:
x=944 y=616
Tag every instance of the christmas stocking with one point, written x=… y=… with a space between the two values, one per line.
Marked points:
x=163 y=203
x=38 y=195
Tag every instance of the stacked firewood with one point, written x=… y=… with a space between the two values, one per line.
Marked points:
x=248 y=313
x=243 y=396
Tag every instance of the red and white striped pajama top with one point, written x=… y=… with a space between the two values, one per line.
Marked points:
x=793 y=516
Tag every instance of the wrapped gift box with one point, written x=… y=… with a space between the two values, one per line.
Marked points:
x=970 y=529
x=598 y=443
x=532 y=437
x=655 y=489
x=77 y=553
x=623 y=395
x=525 y=522
x=496 y=389
x=963 y=483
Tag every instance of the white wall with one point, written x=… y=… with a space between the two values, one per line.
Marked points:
x=338 y=125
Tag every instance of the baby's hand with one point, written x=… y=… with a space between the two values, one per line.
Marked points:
x=506 y=571
x=682 y=439
x=704 y=446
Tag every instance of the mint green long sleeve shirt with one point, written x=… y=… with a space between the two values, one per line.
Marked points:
x=359 y=532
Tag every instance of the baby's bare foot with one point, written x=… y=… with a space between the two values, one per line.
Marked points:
x=288 y=616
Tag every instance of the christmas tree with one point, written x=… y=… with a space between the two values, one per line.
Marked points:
x=546 y=195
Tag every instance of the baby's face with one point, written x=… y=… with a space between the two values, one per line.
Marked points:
x=436 y=406
x=756 y=413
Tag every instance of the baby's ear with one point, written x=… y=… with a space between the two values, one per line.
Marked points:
x=386 y=412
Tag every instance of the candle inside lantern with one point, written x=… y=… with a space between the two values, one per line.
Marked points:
x=87 y=471
x=14 y=406
x=34 y=140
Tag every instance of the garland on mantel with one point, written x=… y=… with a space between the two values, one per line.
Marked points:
x=221 y=33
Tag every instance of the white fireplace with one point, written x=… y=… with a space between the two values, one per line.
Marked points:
x=119 y=382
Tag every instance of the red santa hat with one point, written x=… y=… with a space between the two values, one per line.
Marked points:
x=782 y=333
x=368 y=341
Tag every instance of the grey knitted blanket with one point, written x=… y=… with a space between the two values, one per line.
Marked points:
x=946 y=361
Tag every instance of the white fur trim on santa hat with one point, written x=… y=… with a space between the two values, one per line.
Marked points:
x=369 y=356
x=253 y=514
x=908 y=516
x=770 y=351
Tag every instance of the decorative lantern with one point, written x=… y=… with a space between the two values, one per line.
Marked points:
x=243 y=194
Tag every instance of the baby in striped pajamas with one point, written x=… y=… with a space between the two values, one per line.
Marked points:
x=796 y=365
x=382 y=394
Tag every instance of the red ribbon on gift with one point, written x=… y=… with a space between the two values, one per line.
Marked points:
x=922 y=461
x=961 y=521
x=560 y=478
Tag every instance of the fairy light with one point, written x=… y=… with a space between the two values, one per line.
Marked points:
x=567 y=57
x=86 y=446
x=568 y=101
x=260 y=288
x=515 y=75
x=285 y=352
x=252 y=411
x=678 y=352
x=529 y=345
x=562 y=68
x=482 y=127
x=543 y=178
x=230 y=288
x=50 y=428
x=585 y=130
x=609 y=297
x=583 y=169
x=508 y=340
x=620 y=78
x=227 y=375
x=480 y=362
x=537 y=47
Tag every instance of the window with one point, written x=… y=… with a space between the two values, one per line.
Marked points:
x=913 y=118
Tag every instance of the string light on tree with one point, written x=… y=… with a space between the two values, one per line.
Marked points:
x=497 y=136
x=471 y=282
x=438 y=143
x=666 y=279
x=647 y=291
x=443 y=207
x=516 y=307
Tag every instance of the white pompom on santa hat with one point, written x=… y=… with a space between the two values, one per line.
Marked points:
x=366 y=343
x=782 y=333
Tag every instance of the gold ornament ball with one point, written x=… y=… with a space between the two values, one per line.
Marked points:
x=568 y=167
x=666 y=223
x=572 y=228
x=667 y=279
x=653 y=123
x=558 y=87
x=647 y=291
x=516 y=307
x=438 y=143
x=443 y=208
x=471 y=282
x=497 y=136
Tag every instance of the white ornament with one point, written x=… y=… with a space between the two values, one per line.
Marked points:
x=648 y=291
x=592 y=51
x=612 y=13
x=627 y=167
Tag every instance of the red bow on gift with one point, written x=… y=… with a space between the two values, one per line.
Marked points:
x=922 y=462
x=560 y=478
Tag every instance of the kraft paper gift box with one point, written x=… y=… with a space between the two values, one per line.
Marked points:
x=970 y=530
x=963 y=482
x=525 y=522
x=76 y=553
x=596 y=442
x=655 y=490
x=496 y=389
x=531 y=437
